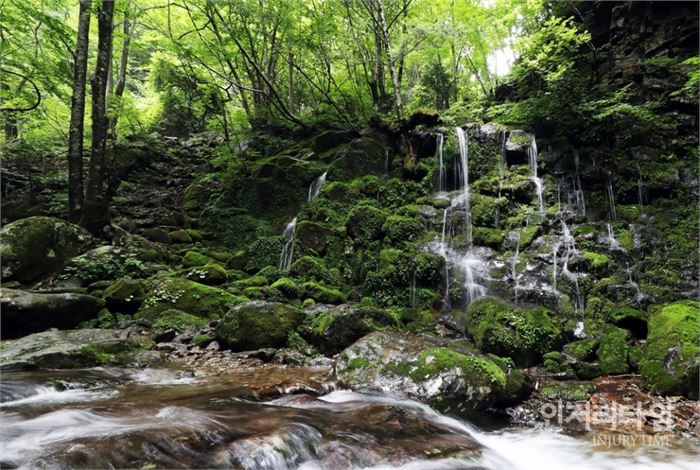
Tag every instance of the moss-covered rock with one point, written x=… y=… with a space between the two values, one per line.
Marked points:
x=405 y=279
x=311 y=268
x=255 y=325
x=288 y=287
x=67 y=349
x=491 y=237
x=252 y=281
x=400 y=229
x=612 y=352
x=126 y=295
x=583 y=350
x=195 y=258
x=313 y=236
x=332 y=329
x=523 y=336
x=189 y=296
x=597 y=262
x=180 y=236
x=37 y=246
x=422 y=368
x=211 y=274
x=321 y=293
x=23 y=313
x=672 y=355
x=365 y=223
x=174 y=319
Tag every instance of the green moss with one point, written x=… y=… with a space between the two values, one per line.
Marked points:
x=625 y=239
x=597 y=261
x=582 y=350
x=95 y=355
x=528 y=235
x=210 y=274
x=177 y=320
x=628 y=213
x=194 y=258
x=289 y=287
x=322 y=294
x=567 y=391
x=180 y=236
x=202 y=340
x=523 y=336
x=553 y=361
x=258 y=325
x=311 y=268
x=583 y=230
x=365 y=223
x=672 y=355
x=400 y=229
x=126 y=295
x=252 y=281
x=480 y=371
x=197 y=299
x=612 y=352
x=264 y=251
x=358 y=363
x=491 y=237
x=254 y=293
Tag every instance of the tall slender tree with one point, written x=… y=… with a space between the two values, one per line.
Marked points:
x=95 y=215
x=77 y=114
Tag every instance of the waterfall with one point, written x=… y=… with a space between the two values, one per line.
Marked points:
x=315 y=186
x=612 y=241
x=611 y=201
x=501 y=174
x=386 y=163
x=578 y=189
x=513 y=267
x=570 y=250
x=532 y=161
x=442 y=176
x=288 y=250
x=640 y=189
x=464 y=160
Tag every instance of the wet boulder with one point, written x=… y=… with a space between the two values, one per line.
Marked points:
x=68 y=349
x=505 y=331
x=671 y=358
x=22 y=313
x=333 y=328
x=37 y=246
x=256 y=325
x=192 y=297
x=422 y=368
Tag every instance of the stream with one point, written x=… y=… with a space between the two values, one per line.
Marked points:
x=275 y=418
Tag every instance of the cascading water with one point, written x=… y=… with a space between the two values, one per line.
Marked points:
x=464 y=165
x=612 y=241
x=578 y=189
x=442 y=175
x=288 y=250
x=501 y=174
x=569 y=251
x=290 y=229
x=611 y=201
x=315 y=186
x=532 y=161
x=513 y=268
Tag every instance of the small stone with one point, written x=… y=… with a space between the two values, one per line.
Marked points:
x=213 y=346
x=165 y=347
x=165 y=337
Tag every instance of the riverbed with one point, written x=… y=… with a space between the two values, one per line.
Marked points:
x=275 y=418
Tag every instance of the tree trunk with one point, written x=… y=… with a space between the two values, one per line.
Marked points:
x=121 y=76
x=390 y=60
x=95 y=215
x=77 y=115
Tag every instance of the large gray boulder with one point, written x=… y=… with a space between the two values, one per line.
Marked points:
x=66 y=349
x=37 y=246
x=423 y=368
x=335 y=327
x=22 y=313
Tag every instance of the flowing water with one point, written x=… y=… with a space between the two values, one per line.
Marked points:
x=288 y=249
x=539 y=185
x=276 y=418
x=316 y=185
x=289 y=232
